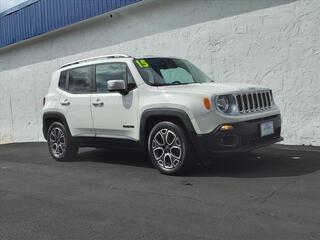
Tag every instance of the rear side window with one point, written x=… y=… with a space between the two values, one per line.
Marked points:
x=80 y=80
x=63 y=80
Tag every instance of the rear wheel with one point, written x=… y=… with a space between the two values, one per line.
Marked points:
x=60 y=143
x=169 y=149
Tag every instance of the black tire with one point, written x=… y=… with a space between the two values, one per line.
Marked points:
x=169 y=163
x=70 y=149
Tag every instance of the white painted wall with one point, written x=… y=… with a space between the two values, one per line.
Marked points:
x=269 y=42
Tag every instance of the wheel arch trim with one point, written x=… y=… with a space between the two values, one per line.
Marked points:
x=55 y=115
x=165 y=112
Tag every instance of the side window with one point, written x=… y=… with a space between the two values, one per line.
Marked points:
x=80 y=80
x=63 y=80
x=112 y=71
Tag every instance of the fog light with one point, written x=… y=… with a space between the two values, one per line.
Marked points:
x=224 y=128
x=228 y=141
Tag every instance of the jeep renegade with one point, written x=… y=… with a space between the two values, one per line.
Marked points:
x=166 y=106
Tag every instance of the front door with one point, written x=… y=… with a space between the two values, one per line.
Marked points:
x=114 y=115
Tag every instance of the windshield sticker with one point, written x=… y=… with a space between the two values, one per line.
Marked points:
x=143 y=63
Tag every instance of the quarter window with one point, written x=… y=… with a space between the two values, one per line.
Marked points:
x=80 y=80
x=113 y=71
x=63 y=80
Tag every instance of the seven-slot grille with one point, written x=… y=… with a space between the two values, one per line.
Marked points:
x=254 y=101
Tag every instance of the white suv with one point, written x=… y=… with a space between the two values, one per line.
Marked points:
x=166 y=106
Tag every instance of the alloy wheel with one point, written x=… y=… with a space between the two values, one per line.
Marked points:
x=57 y=142
x=167 y=149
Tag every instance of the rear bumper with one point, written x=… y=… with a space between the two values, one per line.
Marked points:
x=246 y=136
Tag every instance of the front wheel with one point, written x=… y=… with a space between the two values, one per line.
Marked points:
x=169 y=148
x=60 y=143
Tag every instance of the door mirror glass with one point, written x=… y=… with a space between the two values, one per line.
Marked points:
x=117 y=86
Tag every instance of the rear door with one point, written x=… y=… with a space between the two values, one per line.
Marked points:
x=75 y=101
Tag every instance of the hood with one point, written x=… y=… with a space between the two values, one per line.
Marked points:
x=212 y=88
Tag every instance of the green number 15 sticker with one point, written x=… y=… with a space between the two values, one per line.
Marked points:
x=143 y=63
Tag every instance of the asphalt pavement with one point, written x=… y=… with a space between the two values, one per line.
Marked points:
x=273 y=193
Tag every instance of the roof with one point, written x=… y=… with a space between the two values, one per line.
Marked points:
x=36 y=17
x=88 y=60
x=106 y=58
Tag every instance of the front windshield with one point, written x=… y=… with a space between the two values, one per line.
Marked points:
x=169 y=71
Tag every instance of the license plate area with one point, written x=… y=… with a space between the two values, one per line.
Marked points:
x=266 y=129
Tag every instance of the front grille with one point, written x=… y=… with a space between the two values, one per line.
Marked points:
x=254 y=101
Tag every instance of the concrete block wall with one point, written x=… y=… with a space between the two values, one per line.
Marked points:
x=274 y=43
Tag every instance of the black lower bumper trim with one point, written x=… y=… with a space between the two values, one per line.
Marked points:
x=246 y=136
x=249 y=148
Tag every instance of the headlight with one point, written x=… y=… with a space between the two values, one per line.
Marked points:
x=226 y=103
x=223 y=103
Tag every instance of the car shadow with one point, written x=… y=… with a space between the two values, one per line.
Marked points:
x=263 y=163
x=120 y=157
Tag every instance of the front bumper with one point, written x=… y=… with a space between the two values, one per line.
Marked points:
x=245 y=136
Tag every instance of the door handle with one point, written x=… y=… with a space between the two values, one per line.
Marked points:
x=97 y=103
x=65 y=103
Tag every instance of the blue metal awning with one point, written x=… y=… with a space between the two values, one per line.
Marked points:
x=35 y=17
